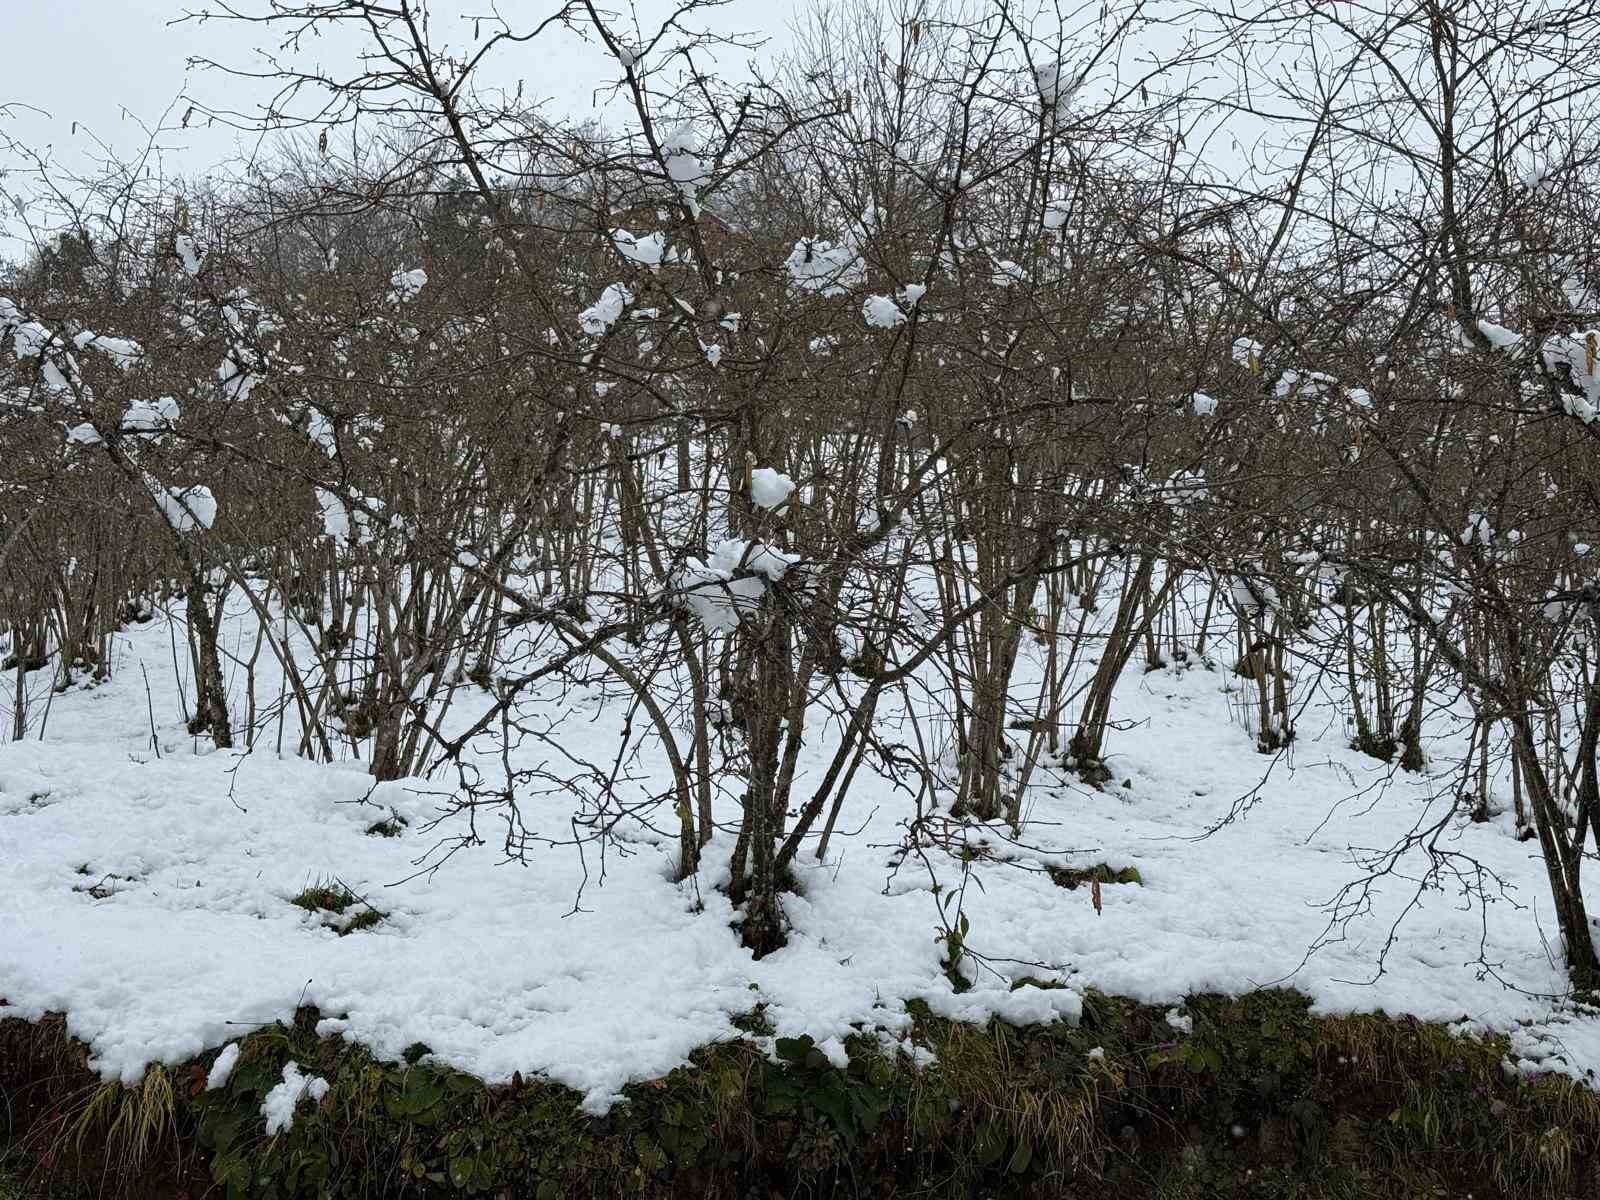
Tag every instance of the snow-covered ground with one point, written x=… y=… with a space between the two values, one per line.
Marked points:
x=147 y=896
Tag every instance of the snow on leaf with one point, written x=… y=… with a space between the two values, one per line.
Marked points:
x=189 y=254
x=1058 y=83
x=185 y=509
x=1005 y=273
x=882 y=313
x=320 y=430
x=683 y=166
x=235 y=379
x=770 y=488
x=646 y=251
x=820 y=266
x=1499 y=336
x=1576 y=358
x=604 y=312
x=150 y=416
x=405 y=285
x=223 y=1067
x=279 y=1104
x=728 y=585
x=1478 y=530
x=125 y=352
x=335 y=517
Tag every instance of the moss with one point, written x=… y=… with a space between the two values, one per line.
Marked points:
x=1262 y=1101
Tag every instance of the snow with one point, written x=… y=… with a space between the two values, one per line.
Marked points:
x=1478 y=530
x=1576 y=358
x=151 y=416
x=320 y=430
x=1005 y=273
x=335 y=517
x=1202 y=404
x=125 y=352
x=606 y=311
x=223 y=1067
x=820 y=266
x=727 y=586
x=235 y=379
x=1057 y=85
x=1499 y=336
x=770 y=488
x=913 y=293
x=186 y=508
x=683 y=166
x=189 y=254
x=881 y=312
x=405 y=286
x=199 y=937
x=1187 y=487
x=279 y=1104
x=1246 y=352
x=646 y=251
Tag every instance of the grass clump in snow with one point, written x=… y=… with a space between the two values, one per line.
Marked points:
x=1219 y=1099
x=336 y=899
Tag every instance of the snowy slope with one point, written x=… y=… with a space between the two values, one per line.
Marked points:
x=148 y=898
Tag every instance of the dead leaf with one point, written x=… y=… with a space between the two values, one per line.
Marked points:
x=1094 y=897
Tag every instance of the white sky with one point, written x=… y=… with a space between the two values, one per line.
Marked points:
x=97 y=68
x=107 y=69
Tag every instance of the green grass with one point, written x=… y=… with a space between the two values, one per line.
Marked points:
x=1261 y=1101
x=334 y=897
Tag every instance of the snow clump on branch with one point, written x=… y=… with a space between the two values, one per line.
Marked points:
x=729 y=584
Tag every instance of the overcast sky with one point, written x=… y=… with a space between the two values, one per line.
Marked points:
x=83 y=72
x=97 y=68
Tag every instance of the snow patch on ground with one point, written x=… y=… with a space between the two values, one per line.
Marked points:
x=545 y=968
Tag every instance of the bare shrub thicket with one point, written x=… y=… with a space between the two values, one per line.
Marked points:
x=901 y=403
